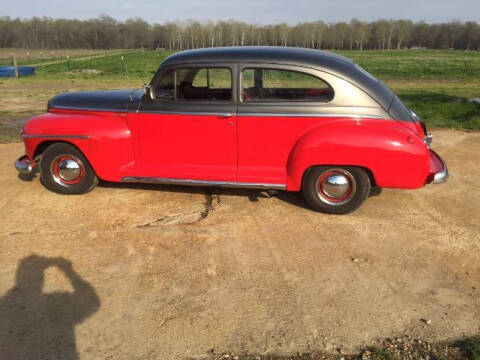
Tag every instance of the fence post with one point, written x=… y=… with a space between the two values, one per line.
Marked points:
x=68 y=62
x=15 y=66
x=126 y=69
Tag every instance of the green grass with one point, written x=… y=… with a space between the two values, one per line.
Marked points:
x=139 y=65
x=418 y=64
x=442 y=110
x=470 y=347
x=437 y=84
x=8 y=133
x=405 y=64
x=383 y=354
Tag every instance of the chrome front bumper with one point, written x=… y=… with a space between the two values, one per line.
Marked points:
x=25 y=166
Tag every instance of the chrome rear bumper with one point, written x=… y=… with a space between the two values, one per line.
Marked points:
x=442 y=176
x=439 y=169
x=25 y=166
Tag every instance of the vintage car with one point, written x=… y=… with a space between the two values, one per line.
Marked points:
x=248 y=117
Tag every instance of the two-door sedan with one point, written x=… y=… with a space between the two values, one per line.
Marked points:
x=249 y=117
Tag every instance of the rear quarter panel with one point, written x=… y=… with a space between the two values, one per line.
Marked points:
x=396 y=156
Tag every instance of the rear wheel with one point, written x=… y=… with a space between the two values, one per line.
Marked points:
x=335 y=189
x=65 y=170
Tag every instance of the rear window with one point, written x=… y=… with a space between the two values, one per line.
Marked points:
x=283 y=85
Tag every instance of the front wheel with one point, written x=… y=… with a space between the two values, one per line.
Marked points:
x=65 y=170
x=335 y=189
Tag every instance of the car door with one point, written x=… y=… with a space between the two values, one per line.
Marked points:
x=277 y=104
x=188 y=131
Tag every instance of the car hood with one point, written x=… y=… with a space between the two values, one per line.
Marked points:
x=104 y=100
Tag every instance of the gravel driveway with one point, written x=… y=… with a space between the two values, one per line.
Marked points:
x=170 y=272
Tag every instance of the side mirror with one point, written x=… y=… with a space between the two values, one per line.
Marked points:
x=148 y=90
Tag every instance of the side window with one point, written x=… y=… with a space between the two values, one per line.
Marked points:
x=196 y=84
x=200 y=79
x=166 y=86
x=283 y=85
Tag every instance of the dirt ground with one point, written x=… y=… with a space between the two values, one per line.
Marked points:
x=156 y=272
x=24 y=95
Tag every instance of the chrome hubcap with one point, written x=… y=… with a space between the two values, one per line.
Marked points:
x=336 y=186
x=67 y=170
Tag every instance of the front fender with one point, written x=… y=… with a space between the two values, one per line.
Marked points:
x=396 y=156
x=103 y=137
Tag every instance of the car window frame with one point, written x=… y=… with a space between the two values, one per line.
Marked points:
x=272 y=66
x=180 y=102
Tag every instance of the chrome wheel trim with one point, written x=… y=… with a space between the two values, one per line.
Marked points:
x=336 y=186
x=67 y=170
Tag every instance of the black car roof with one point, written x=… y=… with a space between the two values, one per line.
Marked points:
x=282 y=55
x=318 y=59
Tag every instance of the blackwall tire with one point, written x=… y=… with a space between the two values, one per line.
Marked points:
x=64 y=170
x=335 y=189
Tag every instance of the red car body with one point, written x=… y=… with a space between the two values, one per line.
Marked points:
x=120 y=145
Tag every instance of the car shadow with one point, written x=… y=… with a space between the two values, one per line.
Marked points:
x=29 y=177
x=38 y=325
x=253 y=195
x=26 y=177
x=291 y=197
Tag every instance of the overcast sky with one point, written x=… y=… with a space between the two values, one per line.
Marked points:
x=253 y=11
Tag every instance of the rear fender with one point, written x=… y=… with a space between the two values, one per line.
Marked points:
x=396 y=156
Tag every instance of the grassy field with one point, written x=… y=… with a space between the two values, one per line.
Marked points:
x=437 y=84
x=37 y=56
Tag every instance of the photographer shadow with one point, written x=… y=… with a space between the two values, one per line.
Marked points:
x=38 y=325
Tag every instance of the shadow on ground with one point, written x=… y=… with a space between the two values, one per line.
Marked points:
x=38 y=325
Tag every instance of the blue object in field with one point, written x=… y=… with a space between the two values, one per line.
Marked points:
x=9 y=71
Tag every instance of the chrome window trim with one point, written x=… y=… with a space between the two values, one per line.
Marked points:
x=54 y=136
x=191 y=182
x=222 y=114
x=325 y=115
x=79 y=108
x=227 y=114
x=208 y=113
x=290 y=68
x=162 y=70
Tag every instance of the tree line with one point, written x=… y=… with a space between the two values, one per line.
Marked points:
x=105 y=32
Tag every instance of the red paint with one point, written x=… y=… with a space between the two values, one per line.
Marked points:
x=109 y=148
x=250 y=149
x=185 y=146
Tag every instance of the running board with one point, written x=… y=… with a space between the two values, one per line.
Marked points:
x=188 y=182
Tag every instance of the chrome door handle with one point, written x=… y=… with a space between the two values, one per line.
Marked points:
x=224 y=116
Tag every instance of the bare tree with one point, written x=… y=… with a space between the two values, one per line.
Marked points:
x=105 y=32
x=402 y=30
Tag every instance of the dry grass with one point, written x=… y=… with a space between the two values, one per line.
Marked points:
x=47 y=54
x=20 y=95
